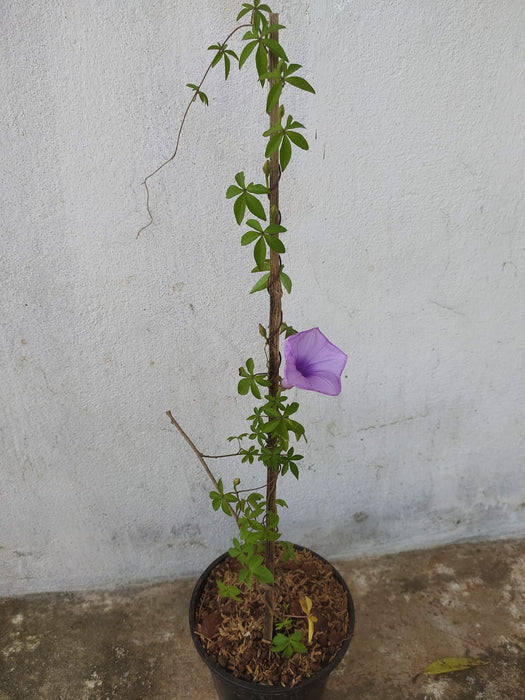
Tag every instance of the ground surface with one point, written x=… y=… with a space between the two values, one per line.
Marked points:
x=411 y=609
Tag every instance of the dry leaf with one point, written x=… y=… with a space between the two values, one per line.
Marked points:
x=306 y=606
x=452 y=663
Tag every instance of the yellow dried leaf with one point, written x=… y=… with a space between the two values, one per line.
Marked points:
x=306 y=604
x=306 y=607
x=452 y=663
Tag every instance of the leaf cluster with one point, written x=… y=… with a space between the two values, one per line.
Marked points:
x=288 y=645
x=246 y=198
x=280 y=138
x=250 y=382
x=223 y=53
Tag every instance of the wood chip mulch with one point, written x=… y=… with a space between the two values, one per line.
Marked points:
x=231 y=632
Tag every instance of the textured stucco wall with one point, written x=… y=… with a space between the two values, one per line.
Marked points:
x=406 y=228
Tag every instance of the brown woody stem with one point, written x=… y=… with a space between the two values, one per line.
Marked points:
x=274 y=355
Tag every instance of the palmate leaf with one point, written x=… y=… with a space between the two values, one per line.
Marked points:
x=246 y=199
x=203 y=97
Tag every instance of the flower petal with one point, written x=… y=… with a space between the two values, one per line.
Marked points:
x=312 y=362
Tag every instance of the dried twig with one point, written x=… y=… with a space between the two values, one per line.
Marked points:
x=201 y=459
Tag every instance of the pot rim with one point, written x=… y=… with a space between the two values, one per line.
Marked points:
x=269 y=689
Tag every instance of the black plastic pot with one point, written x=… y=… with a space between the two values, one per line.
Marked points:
x=229 y=687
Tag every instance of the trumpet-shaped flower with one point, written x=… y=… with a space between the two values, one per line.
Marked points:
x=312 y=362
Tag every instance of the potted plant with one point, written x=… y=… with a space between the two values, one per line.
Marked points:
x=270 y=619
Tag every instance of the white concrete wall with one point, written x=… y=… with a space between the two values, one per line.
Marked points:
x=405 y=245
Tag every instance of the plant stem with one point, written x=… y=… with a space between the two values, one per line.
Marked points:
x=274 y=326
x=200 y=457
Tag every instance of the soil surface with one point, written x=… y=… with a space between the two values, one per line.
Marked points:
x=231 y=631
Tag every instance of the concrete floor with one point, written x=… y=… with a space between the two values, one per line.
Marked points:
x=412 y=608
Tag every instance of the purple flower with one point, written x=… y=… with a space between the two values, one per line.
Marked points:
x=313 y=362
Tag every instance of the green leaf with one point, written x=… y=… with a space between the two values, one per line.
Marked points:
x=298 y=139
x=245 y=53
x=239 y=179
x=242 y=13
x=255 y=389
x=254 y=561
x=285 y=153
x=276 y=48
x=273 y=27
x=259 y=252
x=243 y=387
x=263 y=574
x=217 y=56
x=274 y=228
x=249 y=237
x=226 y=67
x=239 y=207
x=261 y=60
x=280 y=640
x=250 y=365
x=451 y=663
x=228 y=591
x=271 y=425
x=232 y=191
x=261 y=284
x=254 y=224
x=262 y=381
x=275 y=244
x=273 y=144
x=257 y=189
x=255 y=206
x=286 y=282
x=292 y=68
x=273 y=96
x=300 y=83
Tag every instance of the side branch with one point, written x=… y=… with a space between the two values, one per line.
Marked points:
x=200 y=457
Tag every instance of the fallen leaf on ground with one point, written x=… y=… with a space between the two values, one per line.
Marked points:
x=452 y=663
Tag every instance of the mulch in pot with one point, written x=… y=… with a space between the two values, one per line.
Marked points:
x=231 y=632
